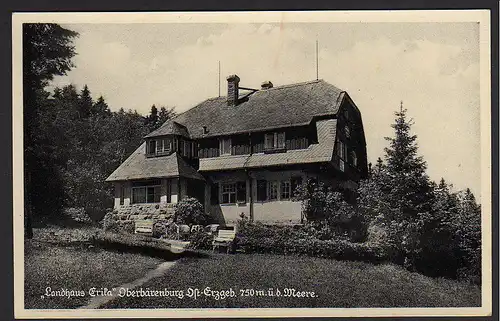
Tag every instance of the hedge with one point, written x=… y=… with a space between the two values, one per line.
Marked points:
x=302 y=240
x=133 y=243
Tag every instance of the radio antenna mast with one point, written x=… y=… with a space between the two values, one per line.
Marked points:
x=317 y=64
x=219 y=78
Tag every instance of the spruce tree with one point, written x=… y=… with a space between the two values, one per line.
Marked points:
x=165 y=114
x=410 y=190
x=100 y=107
x=85 y=103
x=152 y=119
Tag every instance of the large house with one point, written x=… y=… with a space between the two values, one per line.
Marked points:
x=247 y=152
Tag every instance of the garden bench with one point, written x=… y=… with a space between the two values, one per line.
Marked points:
x=144 y=228
x=224 y=238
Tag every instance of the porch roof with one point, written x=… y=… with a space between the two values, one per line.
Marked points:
x=315 y=153
x=137 y=166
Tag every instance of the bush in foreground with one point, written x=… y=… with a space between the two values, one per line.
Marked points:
x=190 y=211
x=259 y=238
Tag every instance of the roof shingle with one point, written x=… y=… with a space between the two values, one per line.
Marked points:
x=138 y=166
x=283 y=106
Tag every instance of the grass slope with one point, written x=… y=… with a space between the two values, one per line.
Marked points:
x=340 y=284
x=56 y=261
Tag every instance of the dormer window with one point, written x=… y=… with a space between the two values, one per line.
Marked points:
x=159 y=147
x=274 y=141
x=225 y=146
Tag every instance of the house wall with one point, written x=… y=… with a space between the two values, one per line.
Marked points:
x=276 y=211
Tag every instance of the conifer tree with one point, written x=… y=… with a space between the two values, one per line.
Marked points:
x=165 y=114
x=100 y=107
x=410 y=185
x=85 y=103
x=152 y=119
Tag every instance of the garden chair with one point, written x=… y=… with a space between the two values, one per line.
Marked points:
x=212 y=229
x=196 y=228
x=224 y=238
x=183 y=230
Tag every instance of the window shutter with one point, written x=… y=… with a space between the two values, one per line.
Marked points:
x=241 y=192
x=261 y=190
x=169 y=191
x=281 y=140
x=214 y=194
x=269 y=141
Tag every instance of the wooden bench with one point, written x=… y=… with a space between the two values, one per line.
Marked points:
x=144 y=228
x=224 y=238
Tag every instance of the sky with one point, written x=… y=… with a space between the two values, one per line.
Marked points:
x=432 y=67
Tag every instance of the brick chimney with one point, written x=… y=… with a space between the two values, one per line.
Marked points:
x=266 y=85
x=233 y=82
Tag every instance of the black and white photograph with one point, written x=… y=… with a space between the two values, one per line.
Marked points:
x=208 y=164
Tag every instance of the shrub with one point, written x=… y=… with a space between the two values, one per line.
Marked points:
x=160 y=228
x=302 y=240
x=78 y=214
x=109 y=223
x=133 y=243
x=334 y=217
x=190 y=211
x=200 y=241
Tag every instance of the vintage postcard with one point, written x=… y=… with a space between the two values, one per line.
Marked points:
x=235 y=164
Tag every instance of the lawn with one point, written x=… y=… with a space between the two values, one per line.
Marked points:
x=61 y=259
x=334 y=283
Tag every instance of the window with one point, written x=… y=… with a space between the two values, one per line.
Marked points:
x=228 y=193
x=274 y=141
x=232 y=192
x=354 y=159
x=273 y=190
x=341 y=149
x=341 y=165
x=186 y=148
x=261 y=190
x=346 y=113
x=347 y=131
x=167 y=144
x=152 y=146
x=225 y=146
x=285 y=188
x=146 y=194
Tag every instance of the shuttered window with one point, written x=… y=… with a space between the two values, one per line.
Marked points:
x=280 y=140
x=274 y=141
x=228 y=193
x=285 y=190
x=225 y=146
x=273 y=190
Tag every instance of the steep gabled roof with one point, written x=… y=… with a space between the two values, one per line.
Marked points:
x=283 y=106
x=174 y=128
x=137 y=166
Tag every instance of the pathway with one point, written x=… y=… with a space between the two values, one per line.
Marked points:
x=99 y=301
